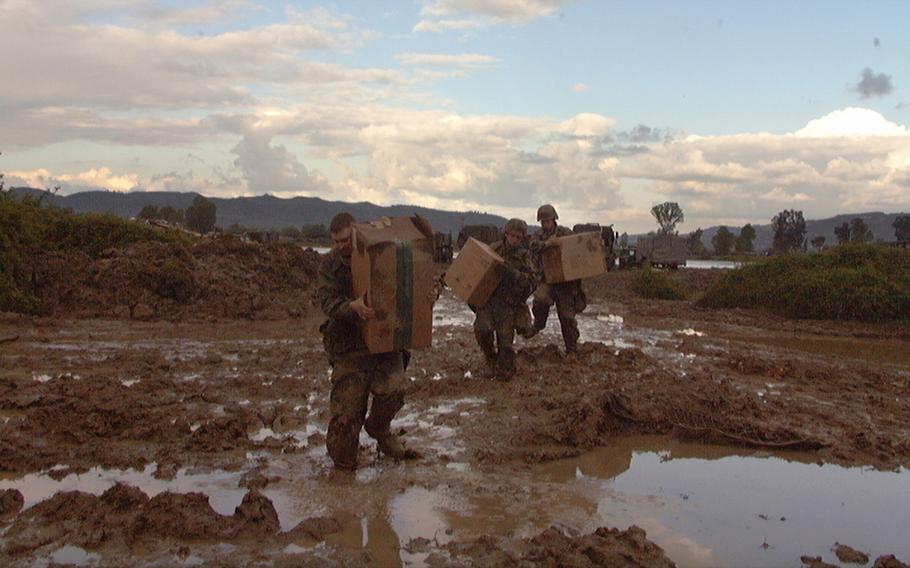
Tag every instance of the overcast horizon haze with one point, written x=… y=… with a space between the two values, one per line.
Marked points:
x=734 y=110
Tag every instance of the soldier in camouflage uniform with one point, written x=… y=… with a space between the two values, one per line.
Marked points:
x=506 y=310
x=568 y=296
x=356 y=373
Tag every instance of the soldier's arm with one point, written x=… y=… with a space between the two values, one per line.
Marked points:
x=331 y=293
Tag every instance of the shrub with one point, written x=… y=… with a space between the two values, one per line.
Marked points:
x=29 y=230
x=654 y=285
x=848 y=282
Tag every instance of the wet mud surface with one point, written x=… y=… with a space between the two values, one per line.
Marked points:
x=184 y=442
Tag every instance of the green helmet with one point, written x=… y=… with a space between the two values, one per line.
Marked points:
x=517 y=226
x=547 y=212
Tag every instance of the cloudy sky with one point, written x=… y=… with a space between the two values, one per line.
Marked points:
x=735 y=110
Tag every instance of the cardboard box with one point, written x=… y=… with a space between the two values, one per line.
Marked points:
x=574 y=257
x=473 y=275
x=392 y=266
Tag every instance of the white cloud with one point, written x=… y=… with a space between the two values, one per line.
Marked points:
x=851 y=121
x=441 y=15
x=513 y=11
x=438 y=26
x=580 y=88
x=446 y=60
x=846 y=161
x=93 y=178
x=781 y=196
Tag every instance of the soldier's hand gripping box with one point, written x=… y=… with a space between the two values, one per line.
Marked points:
x=573 y=257
x=392 y=267
x=473 y=275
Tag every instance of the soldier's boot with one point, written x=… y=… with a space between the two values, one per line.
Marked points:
x=541 y=313
x=486 y=342
x=343 y=442
x=570 y=334
x=489 y=367
x=524 y=326
x=378 y=423
x=506 y=368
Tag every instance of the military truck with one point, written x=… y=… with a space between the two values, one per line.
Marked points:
x=667 y=251
x=607 y=234
x=484 y=233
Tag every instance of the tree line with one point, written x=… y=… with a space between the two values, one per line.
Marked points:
x=199 y=216
x=789 y=228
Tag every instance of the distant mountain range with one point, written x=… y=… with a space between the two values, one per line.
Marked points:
x=880 y=223
x=263 y=211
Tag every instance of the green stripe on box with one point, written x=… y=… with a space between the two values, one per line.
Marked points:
x=404 y=294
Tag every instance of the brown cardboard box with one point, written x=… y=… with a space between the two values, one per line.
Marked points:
x=472 y=275
x=392 y=265
x=573 y=257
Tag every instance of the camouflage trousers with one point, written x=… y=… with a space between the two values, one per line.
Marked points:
x=354 y=377
x=494 y=328
x=569 y=299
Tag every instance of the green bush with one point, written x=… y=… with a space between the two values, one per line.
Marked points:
x=29 y=229
x=848 y=282
x=654 y=285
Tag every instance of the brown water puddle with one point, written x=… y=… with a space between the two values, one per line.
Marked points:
x=706 y=505
x=888 y=352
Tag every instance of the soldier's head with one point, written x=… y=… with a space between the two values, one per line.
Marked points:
x=341 y=228
x=547 y=216
x=515 y=232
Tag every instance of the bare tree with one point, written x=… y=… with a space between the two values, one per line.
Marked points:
x=668 y=215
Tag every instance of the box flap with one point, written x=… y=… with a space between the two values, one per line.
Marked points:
x=388 y=229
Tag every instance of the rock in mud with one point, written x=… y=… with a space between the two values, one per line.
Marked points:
x=11 y=502
x=889 y=561
x=850 y=555
x=815 y=562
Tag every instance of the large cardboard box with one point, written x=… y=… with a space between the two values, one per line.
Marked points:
x=473 y=275
x=574 y=257
x=392 y=266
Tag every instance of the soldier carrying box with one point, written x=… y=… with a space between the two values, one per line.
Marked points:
x=569 y=296
x=352 y=326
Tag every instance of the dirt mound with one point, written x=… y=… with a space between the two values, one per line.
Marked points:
x=214 y=278
x=553 y=547
x=125 y=516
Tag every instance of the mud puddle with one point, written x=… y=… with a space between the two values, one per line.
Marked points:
x=710 y=505
x=706 y=505
x=596 y=324
x=888 y=352
x=220 y=486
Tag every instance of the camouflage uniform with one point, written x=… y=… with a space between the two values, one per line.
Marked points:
x=569 y=297
x=506 y=310
x=355 y=372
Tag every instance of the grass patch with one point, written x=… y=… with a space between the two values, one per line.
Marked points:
x=849 y=282
x=29 y=229
x=655 y=285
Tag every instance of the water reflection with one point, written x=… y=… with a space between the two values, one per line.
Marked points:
x=710 y=505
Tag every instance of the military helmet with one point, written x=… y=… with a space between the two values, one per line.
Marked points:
x=547 y=212
x=516 y=226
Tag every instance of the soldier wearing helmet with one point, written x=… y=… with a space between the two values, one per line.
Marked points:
x=506 y=311
x=568 y=296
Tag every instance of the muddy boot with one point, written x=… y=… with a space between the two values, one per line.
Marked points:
x=342 y=443
x=391 y=445
x=524 y=326
x=489 y=369
x=570 y=334
x=541 y=313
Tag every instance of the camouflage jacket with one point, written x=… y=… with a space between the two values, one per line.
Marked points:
x=335 y=290
x=517 y=275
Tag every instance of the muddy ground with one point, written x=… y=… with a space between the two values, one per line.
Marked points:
x=194 y=442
